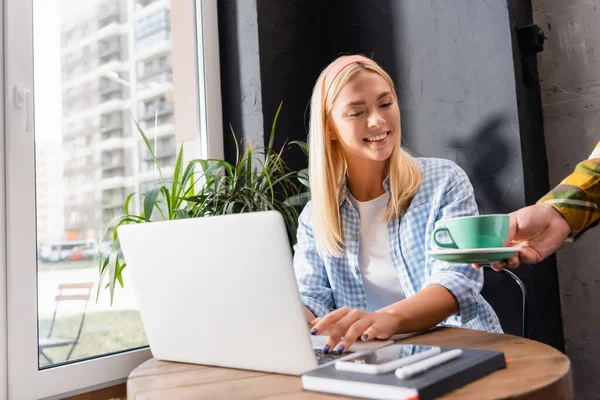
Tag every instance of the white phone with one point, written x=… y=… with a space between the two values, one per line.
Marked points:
x=386 y=359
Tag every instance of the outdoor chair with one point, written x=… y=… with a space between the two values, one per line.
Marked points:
x=67 y=292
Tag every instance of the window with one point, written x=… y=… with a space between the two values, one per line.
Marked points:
x=68 y=178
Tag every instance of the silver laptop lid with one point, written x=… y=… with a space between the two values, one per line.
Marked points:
x=219 y=291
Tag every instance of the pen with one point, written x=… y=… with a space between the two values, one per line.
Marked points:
x=431 y=362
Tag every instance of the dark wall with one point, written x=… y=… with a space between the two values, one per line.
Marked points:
x=292 y=54
x=461 y=92
x=240 y=75
x=542 y=279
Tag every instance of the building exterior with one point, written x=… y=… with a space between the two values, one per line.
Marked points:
x=116 y=66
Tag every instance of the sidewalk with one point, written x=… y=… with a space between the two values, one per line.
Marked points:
x=51 y=275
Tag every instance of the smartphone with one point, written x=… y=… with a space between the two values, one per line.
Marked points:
x=386 y=359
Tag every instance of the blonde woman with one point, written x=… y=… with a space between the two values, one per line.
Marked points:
x=361 y=259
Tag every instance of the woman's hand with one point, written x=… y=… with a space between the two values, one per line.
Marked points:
x=351 y=324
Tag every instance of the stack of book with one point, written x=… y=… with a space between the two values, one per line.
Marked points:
x=422 y=380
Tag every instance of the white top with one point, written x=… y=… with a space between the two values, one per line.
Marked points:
x=379 y=277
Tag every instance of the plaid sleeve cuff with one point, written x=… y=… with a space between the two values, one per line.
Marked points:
x=577 y=198
x=315 y=306
x=461 y=289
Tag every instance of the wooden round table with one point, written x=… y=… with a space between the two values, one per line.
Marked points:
x=535 y=371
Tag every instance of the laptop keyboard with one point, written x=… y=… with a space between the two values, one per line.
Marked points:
x=323 y=358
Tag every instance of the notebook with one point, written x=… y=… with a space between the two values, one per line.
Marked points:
x=471 y=365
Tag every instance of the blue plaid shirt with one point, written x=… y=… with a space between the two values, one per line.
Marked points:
x=327 y=283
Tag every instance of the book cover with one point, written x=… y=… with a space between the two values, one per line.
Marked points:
x=471 y=365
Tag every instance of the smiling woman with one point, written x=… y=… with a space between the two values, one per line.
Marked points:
x=362 y=261
x=71 y=155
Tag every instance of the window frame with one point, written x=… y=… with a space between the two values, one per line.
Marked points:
x=20 y=376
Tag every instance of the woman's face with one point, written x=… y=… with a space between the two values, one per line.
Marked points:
x=366 y=119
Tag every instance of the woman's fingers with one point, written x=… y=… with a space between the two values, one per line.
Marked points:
x=329 y=319
x=339 y=329
x=370 y=333
x=355 y=332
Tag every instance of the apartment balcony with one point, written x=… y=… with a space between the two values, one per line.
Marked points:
x=111 y=127
x=110 y=97
x=115 y=182
x=151 y=175
x=109 y=50
x=109 y=88
x=161 y=47
x=114 y=173
x=159 y=75
x=139 y=4
x=70 y=134
x=162 y=111
x=113 y=198
x=160 y=131
x=113 y=203
x=103 y=108
x=163 y=153
x=76 y=81
x=111 y=106
x=113 y=29
x=107 y=16
x=113 y=163
x=112 y=143
x=154 y=90
x=144 y=8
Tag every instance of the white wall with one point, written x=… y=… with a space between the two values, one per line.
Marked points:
x=3 y=354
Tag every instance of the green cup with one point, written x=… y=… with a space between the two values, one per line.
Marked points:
x=474 y=232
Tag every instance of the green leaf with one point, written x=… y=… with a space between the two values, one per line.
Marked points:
x=177 y=173
x=103 y=269
x=169 y=200
x=303 y=177
x=182 y=213
x=150 y=201
x=272 y=135
x=150 y=150
x=188 y=176
x=112 y=268
x=249 y=166
x=127 y=200
x=119 y=273
x=298 y=200
x=303 y=146
x=237 y=148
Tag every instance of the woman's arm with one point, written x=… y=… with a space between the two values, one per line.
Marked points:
x=463 y=282
x=311 y=275
x=425 y=309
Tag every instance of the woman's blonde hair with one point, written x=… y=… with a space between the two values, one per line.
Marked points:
x=327 y=163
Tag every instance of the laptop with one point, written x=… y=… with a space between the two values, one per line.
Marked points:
x=221 y=291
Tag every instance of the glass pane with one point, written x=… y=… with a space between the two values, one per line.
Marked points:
x=98 y=65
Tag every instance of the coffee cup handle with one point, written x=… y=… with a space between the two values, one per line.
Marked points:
x=451 y=245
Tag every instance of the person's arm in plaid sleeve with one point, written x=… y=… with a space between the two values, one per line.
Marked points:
x=463 y=282
x=565 y=213
x=577 y=197
x=311 y=275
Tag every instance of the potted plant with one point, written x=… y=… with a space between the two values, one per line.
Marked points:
x=259 y=180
